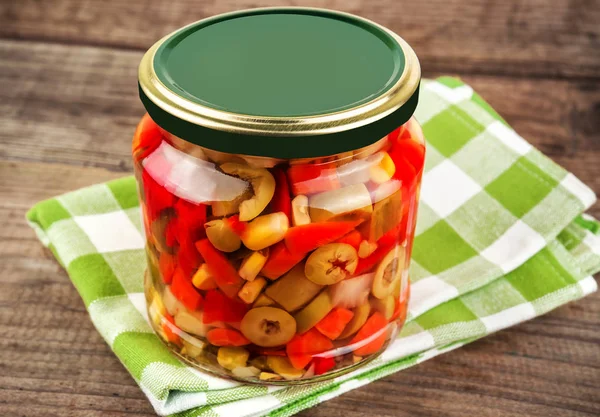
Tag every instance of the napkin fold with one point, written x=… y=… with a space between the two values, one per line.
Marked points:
x=500 y=239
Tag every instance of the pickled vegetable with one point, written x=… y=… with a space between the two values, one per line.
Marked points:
x=300 y=214
x=293 y=290
x=191 y=322
x=226 y=337
x=383 y=170
x=388 y=271
x=372 y=331
x=314 y=312
x=283 y=367
x=268 y=269
x=306 y=238
x=333 y=324
x=263 y=301
x=263 y=187
x=331 y=263
x=252 y=264
x=280 y=261
x=302 y=347
x=352 y=292
x=361 y=314
x=268 y=326
x=222 y=236
x=265 y=231
x=224 y=274
x=349 y=203
x=203 y=279
x=251 y=290
x=385 y=306
x=232 y=357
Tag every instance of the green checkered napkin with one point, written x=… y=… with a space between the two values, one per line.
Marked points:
x=500 y=239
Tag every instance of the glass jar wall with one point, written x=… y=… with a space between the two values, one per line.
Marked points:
x=271 y=270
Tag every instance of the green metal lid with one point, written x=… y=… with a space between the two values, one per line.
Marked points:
x=280 y=82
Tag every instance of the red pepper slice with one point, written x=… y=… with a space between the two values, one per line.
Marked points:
x=333 y=324
x=225 y=275
x=185 y=292
x=226 y=337
x=412 y=151
x=158 y=197
x=375 y=325
x=217 y=307
x=280 y=261
x=281 y=199
x=308 y=237
x=190 y=220
x=167 y=265
x=323 y=365
x=353 y=239
x=188 y=257
x=302 y=347
x=146 y=138
x=313 y=178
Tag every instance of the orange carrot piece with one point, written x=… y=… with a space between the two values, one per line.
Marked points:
x=302 y=347
x=333 y=324
x=226 y=337
x=373 y=330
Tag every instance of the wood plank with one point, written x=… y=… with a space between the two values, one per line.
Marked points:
x=79 y=105
x=534 y=37
x=55 y=362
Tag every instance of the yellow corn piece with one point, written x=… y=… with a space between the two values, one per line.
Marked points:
x=265 y=376
x=265 y=231
x=283 y=367
x=252 y=289
x=252 y=265
x=263 y=301
x=230 y=357
x=366 y=248
x=203 y=279
x=384 y=170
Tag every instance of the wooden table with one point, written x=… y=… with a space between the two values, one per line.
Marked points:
x=68 y=108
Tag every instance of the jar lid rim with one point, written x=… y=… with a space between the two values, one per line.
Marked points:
x=213 y=125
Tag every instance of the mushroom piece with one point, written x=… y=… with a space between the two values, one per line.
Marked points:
x=300 y=214
x=222 y=236
x=263 y=187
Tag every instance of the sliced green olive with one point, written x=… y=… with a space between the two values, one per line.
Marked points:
x=268 y=326
x=388 y=272
x=331 y=263
x=263 y=187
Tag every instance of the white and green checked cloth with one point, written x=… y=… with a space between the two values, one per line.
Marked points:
x=500 y=239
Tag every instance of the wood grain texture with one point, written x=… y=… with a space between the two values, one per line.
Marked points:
x=68 y=108
x=558 y=38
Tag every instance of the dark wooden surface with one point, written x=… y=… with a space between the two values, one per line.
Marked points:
x=68 y=107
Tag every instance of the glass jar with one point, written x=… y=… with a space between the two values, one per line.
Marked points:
x=279 y=189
